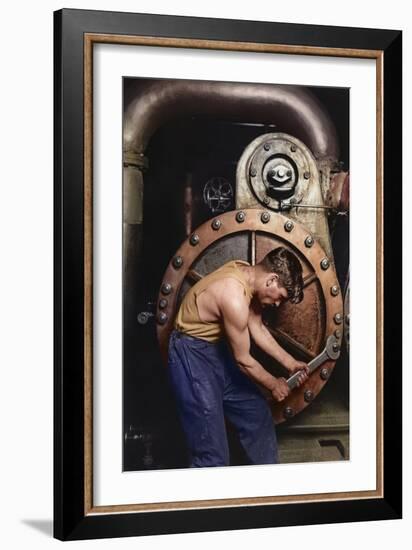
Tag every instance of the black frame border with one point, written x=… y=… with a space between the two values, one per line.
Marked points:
x=70 y=521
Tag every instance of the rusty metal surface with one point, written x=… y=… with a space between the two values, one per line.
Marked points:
x=254 y=190
x=270 y=153
x=338 y=194
x=307 y=330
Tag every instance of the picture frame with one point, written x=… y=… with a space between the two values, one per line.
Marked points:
x=76 y=32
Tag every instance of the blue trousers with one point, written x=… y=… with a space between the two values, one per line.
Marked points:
x=208 y=385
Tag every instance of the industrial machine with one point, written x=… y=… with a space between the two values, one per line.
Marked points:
x=216 y=171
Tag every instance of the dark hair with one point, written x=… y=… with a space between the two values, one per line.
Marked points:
x=289 y=269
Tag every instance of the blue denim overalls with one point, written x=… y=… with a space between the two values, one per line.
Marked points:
x=208 y=385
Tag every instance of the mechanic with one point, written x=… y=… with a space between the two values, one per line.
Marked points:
x=210 y=368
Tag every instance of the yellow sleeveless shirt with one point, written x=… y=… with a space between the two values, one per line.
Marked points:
x=187 y=319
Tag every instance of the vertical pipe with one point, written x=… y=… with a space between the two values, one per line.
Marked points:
x=132 y=243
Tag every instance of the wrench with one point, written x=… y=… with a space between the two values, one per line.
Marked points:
x=331 y=351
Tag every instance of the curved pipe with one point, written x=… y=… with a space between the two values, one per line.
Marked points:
x=292 y=109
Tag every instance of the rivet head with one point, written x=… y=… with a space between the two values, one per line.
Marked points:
x=194 y=239
x=336 y=347
x=163 y=303
x=162 y=318
x=324 y=264
x=288 y=412
x=266 y=146
x=288 y=226
x=338 y=318
x=240 y=217
x=253 y=172
x=265 y=217
x=266 y=200
x=308 y=396
x=142 y=318
x=309 y=241
x=293 y=148
x=166 y=288
x=337 y=333
x=289 y=173
x=306 y=175
x=324 y=373
x=216 y=224
x=334 y=290
x=177 y=262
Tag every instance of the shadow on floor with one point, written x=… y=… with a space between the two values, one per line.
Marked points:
x=45 y=526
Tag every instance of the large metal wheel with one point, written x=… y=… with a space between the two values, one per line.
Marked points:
x=303 y=328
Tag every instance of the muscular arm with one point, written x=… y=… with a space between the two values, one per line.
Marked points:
x=235 y=314
x=267 y=343
x=264 y=339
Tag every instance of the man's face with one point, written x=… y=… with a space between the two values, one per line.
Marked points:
x=271 y=292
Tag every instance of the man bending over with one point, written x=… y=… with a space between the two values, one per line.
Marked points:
x=210 y=367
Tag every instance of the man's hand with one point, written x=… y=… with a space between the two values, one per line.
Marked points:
x=280 y=389
x=298 y=366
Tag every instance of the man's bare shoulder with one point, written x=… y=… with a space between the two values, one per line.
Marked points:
x=231 y=297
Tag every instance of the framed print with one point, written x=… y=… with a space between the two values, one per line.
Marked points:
x=227 y=274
